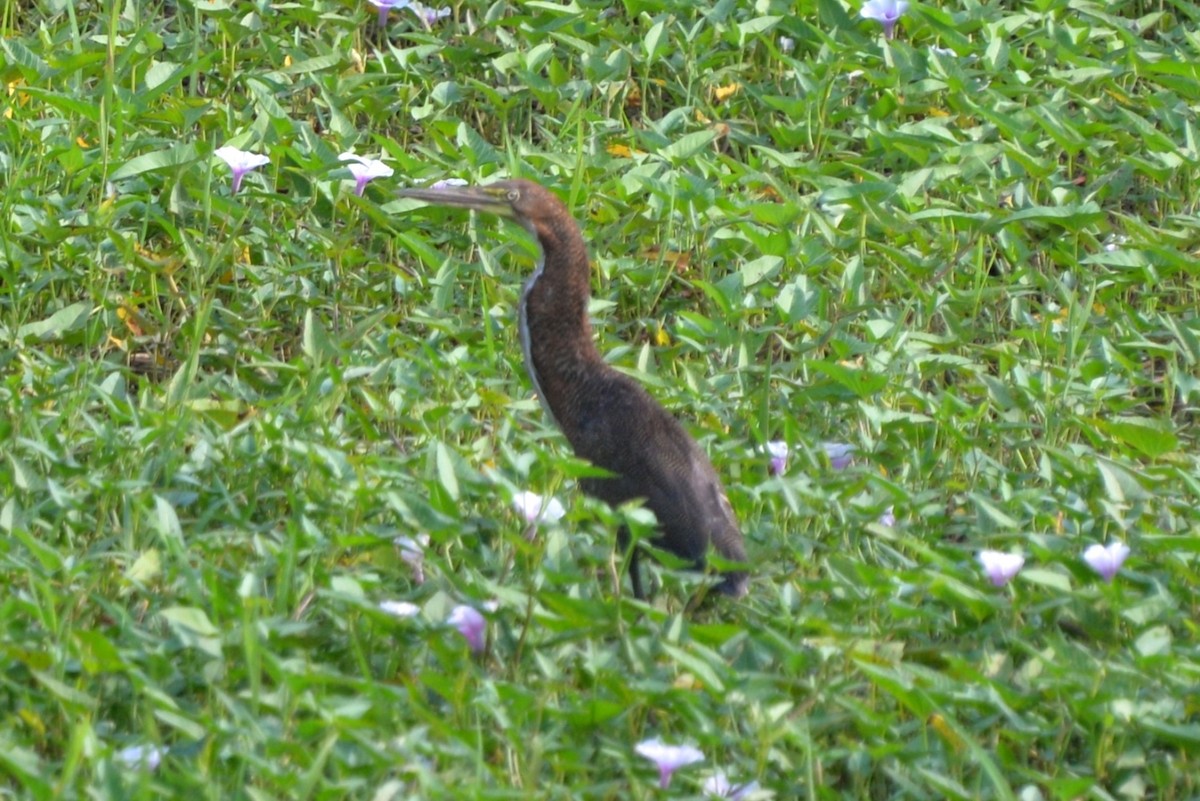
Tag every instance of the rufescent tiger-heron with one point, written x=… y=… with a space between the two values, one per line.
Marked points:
x=608 y=418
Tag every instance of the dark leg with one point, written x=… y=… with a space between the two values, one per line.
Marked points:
x=635 y=577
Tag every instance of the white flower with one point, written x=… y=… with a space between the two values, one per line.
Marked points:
x=529 y=506
x=446 y=183
x=786 y=44
x=401 y=609
x=429 y=15
x=470 y=624
x=142 y=756
x=840 y=454
x=412 y=551
x=240 y=162
x=1000 y=567
x=777 y=451
x=364 y=170
x=718 y=786
x=886 y=12
x=385 y=6
x=668 y=758
x=1106 y=560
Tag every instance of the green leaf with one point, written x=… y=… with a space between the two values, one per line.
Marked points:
x=61 y=322
x=445 y=469
x=193 y=628
x=166 y=519
x=860 y=382
x=1154 y=641
x=169 y=159
x=1074 y=217
x=688 y=146
x=1151 y=436
x=760 y=269
x=146 y=568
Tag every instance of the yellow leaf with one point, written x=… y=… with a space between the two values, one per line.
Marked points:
x=723 y=93
x=947 y=734
x=686 y=681
x=133 y=321
x=32 y=720
x=661 y=337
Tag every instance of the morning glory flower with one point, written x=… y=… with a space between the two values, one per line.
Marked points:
x=886 y=12
x=840 y=454
x=446 y=183
x=402 y=609
x=240 y=162
x=529 y=506
x=1000 y=567
x=428 y=15
x=777 y=451
x=718 y=786
x=141 y=756
x=412 y=551
x=364 y=170
x=888 y=518
x=668 y=758
x=385 y=6
x=470 y=624
x=1106 y=559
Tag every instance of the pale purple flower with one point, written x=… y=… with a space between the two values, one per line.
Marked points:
x=446 y=183
x=886 y=12
x=402 y=609
x=840 y=454
x=470 y=624
x=777 y=451
x=364 y=170
x=786 y=44
x=385 y=6
x=141 y=756
x=412 y=551
x=888 y=518
x=240 y=162
x=668 y=758
x=1106 y=559
x=1000 y=567
x=529 y=506
x=429 y=15
x=718 y=786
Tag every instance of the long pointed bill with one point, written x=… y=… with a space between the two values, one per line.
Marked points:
x=492 y=199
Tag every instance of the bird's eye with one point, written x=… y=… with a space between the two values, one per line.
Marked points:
x=513 y=196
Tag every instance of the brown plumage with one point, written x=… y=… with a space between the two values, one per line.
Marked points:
x=608 y=418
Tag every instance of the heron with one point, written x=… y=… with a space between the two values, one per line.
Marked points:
x=609 y=419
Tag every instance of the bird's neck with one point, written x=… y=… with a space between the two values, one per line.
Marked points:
x=556 y=334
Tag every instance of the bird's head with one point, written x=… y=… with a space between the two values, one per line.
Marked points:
x=524 y=201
